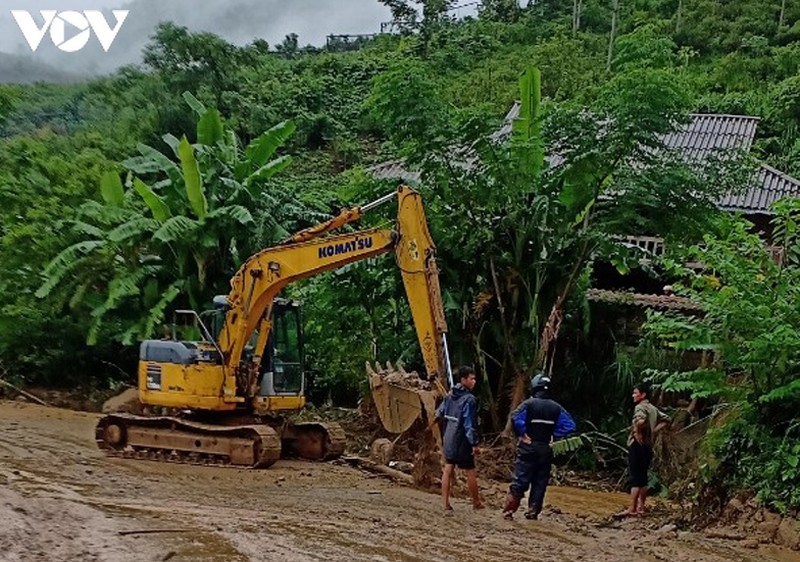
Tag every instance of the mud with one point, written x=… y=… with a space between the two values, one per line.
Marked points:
x=61 y=499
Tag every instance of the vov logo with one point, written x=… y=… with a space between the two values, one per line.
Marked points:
x=82 y=24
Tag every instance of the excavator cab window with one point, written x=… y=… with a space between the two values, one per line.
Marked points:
x=284 y=362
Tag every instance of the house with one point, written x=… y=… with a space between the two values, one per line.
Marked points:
x=703 y=136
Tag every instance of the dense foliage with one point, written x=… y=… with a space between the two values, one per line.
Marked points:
x=750 y=328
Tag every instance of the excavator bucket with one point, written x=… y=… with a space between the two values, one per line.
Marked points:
x=401 y=398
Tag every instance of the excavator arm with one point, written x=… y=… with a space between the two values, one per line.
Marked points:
x=311 y=252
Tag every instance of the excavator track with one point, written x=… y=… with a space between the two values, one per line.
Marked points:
x=314 y=440
x=169 y=439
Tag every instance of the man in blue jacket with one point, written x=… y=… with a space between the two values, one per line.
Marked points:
x=536 y=422
x=459 y=410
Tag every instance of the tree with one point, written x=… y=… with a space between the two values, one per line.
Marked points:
x=518 y=233
x=190 y=60
x=196 y=231
x=290 y=46
x=42 y=181
x=500 y=10
x=750 y=316
x=749 y=328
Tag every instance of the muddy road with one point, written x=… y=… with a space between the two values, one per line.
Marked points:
x=61 y=499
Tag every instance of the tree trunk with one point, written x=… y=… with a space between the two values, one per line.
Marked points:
x=547 y=343
x=576 y=16
x=783 y=13
x=678 y=15
x=614 y=22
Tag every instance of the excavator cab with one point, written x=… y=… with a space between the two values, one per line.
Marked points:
x=282 y=367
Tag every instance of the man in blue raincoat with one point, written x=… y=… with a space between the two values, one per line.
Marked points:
x=536 y=422
x=459 y=412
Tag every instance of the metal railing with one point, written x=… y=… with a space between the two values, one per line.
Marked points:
x=654 y=246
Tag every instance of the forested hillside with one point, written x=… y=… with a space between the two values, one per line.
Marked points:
x=101 y=236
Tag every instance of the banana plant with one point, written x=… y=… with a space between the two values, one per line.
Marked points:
x=178 y=226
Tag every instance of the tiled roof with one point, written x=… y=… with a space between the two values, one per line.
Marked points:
x=769 y=186
x=394 y=170
x=504 y=131
x=705 y=134
x=672 y=302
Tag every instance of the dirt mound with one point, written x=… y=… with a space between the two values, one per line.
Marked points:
x=126 y=401
x=398 y=376
x=746 y=520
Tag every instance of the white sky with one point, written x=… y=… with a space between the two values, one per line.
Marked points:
x=238 y=21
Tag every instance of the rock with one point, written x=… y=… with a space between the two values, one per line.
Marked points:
x=381 y=451
x=732 y=510
x=668 y=528
x=788 y=534
x=750 y=543
x=402 y=466
x=769 y=524
x=725 y=534
x=127 y=401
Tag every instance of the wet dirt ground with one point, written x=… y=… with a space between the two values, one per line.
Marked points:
x=61 y=499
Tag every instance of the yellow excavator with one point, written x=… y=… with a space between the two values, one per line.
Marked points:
x=229 y=391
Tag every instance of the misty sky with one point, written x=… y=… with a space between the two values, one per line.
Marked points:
x=239 y=21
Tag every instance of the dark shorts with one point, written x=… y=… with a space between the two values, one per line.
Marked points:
x=464 y=463
x=639 y=458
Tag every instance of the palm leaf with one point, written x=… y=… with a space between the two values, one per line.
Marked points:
x=262 y=148
x=162 y=163
x=194 y=182
x=157 y=206
x=65 y=262
x=175 y=229
x=126 y=284
x=236 y=212
x=156 y=314
x=194 y=103
x=141 y=165
x=111 y=189
x=133 y=228
x=267 y=171
x=81 y=227
x=101 y=214
x=527 y=128
x=77 y=297
x=209 y=129
x=568 y=445
x=173 y=142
